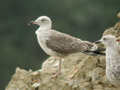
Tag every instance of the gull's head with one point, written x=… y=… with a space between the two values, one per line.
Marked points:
x=43 y=21
x=107 y=40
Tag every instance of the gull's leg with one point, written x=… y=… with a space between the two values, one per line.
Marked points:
x=74 y=72
x=59 y=69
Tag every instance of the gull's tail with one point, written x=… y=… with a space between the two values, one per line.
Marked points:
x=96 y=52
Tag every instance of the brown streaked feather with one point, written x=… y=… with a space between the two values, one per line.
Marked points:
x=66 y=44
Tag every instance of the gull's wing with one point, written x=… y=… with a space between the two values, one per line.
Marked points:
x=66 y=44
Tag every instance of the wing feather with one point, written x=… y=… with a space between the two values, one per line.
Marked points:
x=66 y=44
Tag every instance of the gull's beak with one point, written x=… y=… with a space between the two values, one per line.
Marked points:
x=32 y=22
x=97 y=42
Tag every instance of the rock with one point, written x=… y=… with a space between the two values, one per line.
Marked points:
x=79 y=72
x=90 y=75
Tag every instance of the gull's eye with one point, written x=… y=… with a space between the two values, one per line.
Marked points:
x=104 y=39
x=43 y=20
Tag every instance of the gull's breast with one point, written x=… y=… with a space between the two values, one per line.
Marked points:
x=42 y=37
x=113 y=66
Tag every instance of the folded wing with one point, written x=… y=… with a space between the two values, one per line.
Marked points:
x=66 y=44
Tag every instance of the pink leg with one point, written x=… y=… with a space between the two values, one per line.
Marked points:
x=74 y=72
x=59 y=69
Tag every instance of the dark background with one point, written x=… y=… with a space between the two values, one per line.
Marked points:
x=86 y=19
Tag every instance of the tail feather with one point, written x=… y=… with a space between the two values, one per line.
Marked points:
x=99 y=51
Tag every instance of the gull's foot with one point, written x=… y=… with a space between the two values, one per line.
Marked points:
x=55 y=75
x=73 y=73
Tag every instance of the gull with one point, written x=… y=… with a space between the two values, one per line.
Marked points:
x=112 y=58
x=58 y=44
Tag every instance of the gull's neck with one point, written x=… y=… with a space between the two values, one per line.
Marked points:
x=114 y=46
x=112 y=50
x=43 y=28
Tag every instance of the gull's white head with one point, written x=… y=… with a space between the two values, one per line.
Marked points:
x=43 y=22
x=108 y=40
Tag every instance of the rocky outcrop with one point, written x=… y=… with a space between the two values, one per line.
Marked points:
x=79 y=72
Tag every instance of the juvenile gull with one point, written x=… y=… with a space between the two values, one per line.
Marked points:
x=112 y=58
x=59 y=44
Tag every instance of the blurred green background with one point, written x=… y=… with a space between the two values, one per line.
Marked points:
x=86 y=19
